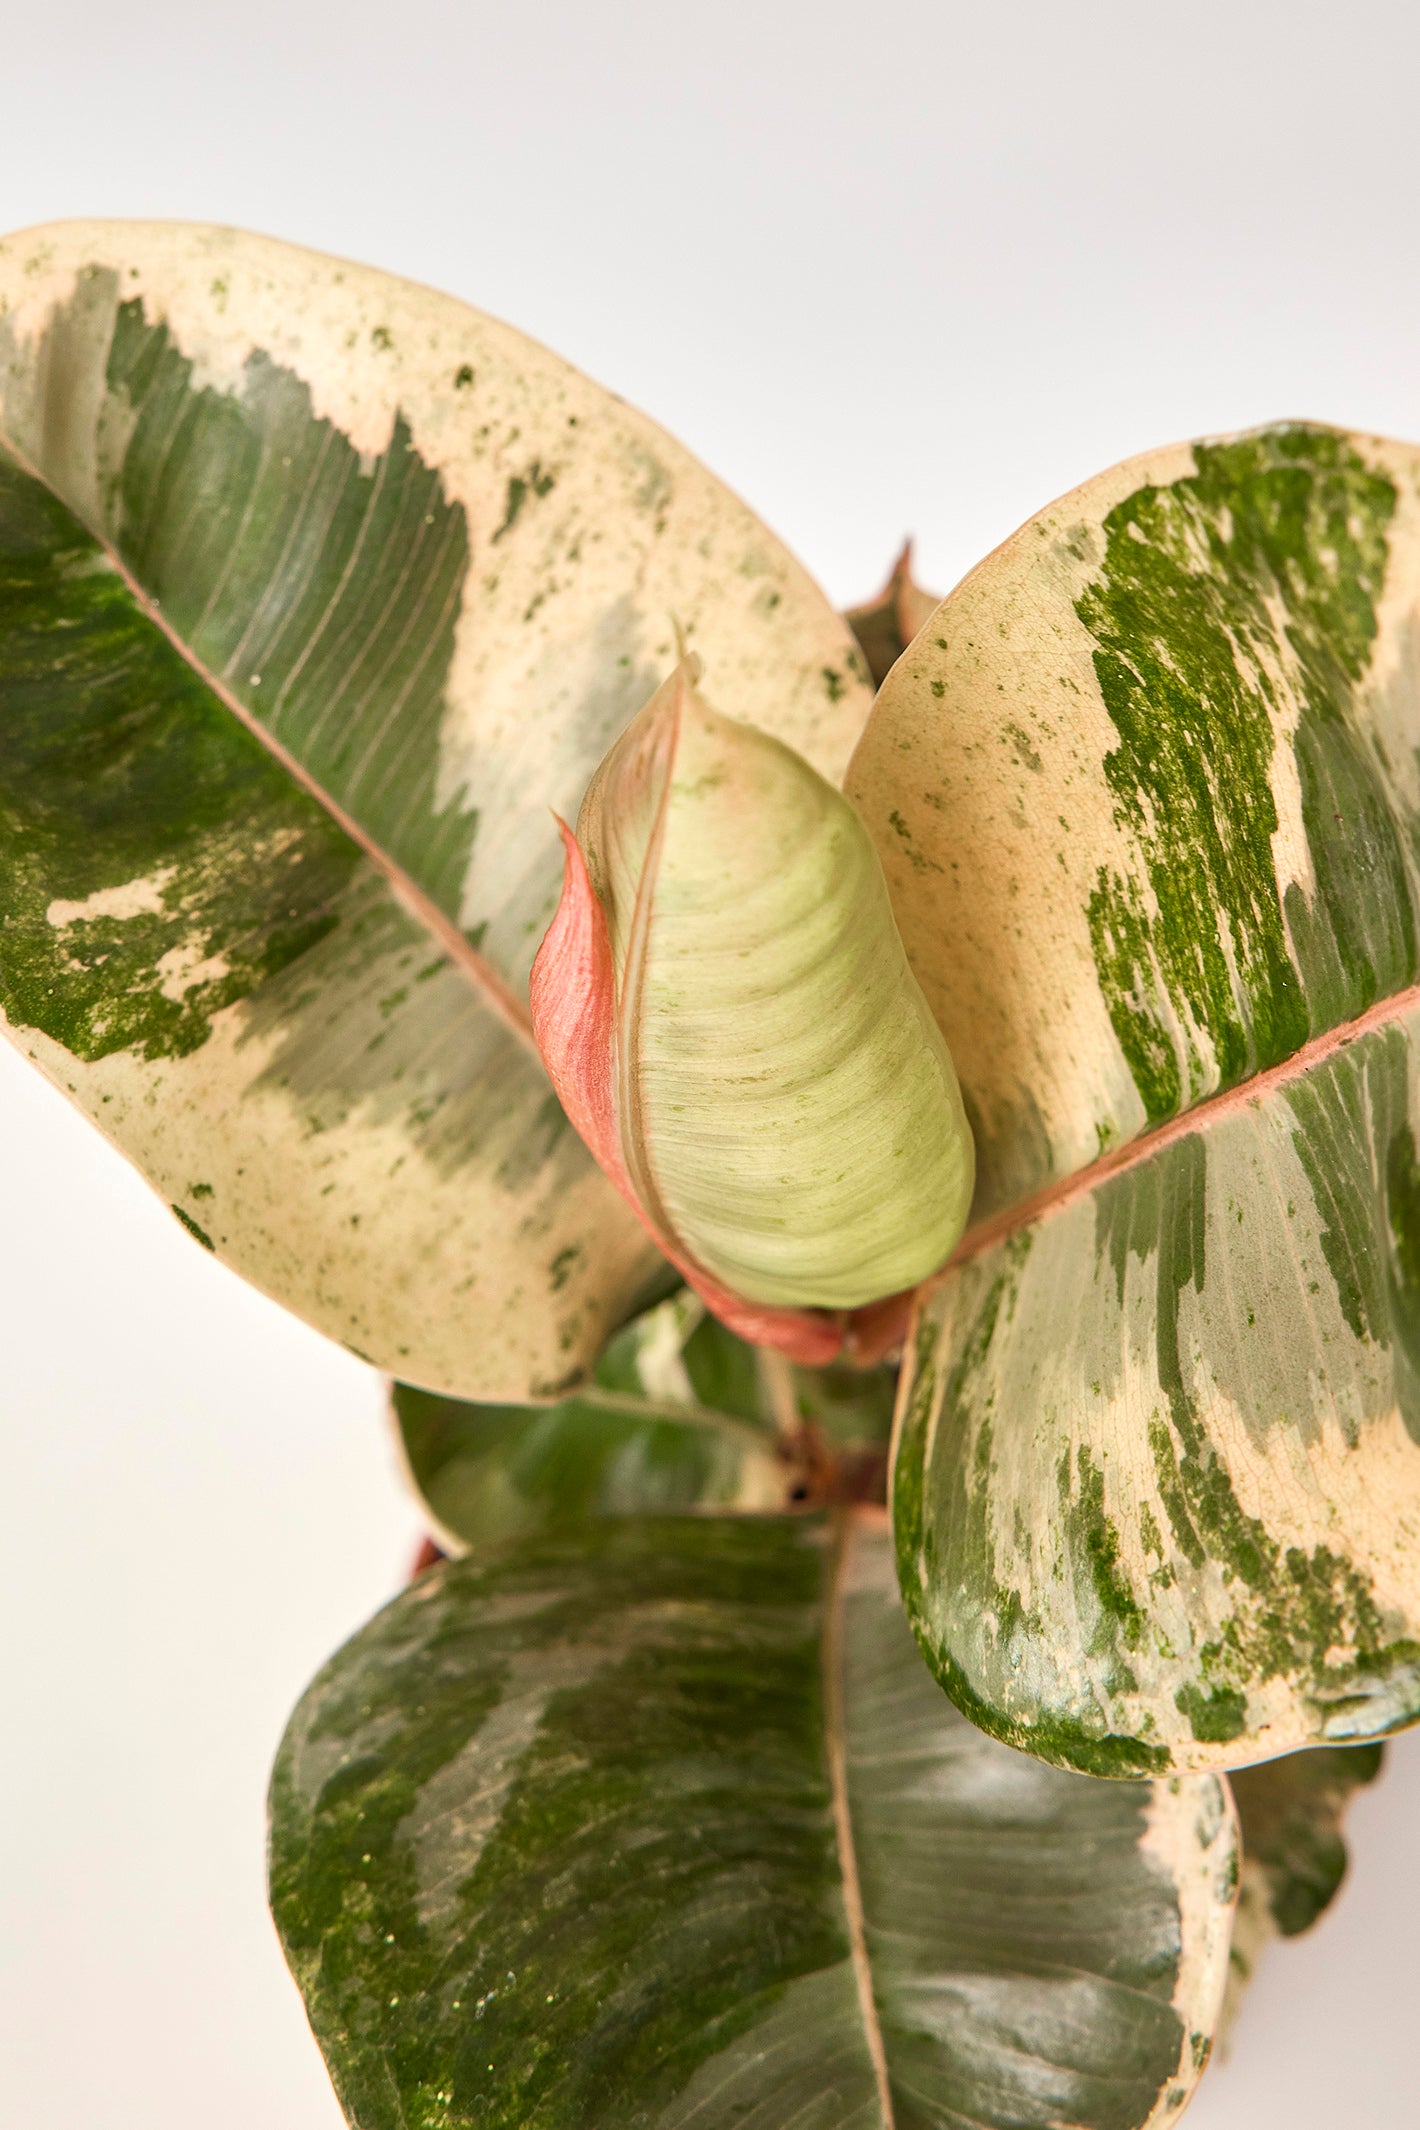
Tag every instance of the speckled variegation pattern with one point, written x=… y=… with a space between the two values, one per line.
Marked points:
x=1148 y=790
x=215 y=972
x=554 y=1842
x=320 y=591
x=1157 y=1484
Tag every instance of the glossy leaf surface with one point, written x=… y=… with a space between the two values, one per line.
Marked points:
x=680 y=1415
x=319 y=591
x=670 y=1825
x=1147 y=794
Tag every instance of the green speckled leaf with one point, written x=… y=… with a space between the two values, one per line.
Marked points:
x=1290 y=1813
x=1148 y=789
x=1157 y=1483
x=668 y=1825
x=680 y=1416
x=318 y=591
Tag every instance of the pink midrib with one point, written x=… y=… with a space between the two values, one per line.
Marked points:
x=1055 y=1197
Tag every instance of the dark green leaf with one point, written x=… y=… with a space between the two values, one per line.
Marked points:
x=681 y=1415
x=1290 y=1813
x=668 y=1825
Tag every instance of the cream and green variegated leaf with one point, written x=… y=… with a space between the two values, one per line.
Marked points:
x=1290 y=1814
x=1147 y=790
x=668 y=1824
x=320 y=591
x=680 y=1415
x=225 y=981
x=1157 y=1481
x=432 y=560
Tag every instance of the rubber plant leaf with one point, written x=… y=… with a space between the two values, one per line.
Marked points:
x=317 y=590
x=1147 y=796
x=680 y=1415
x=668 y=1824
x=1293 y=1856
x=729 y=1019
x=886 y=624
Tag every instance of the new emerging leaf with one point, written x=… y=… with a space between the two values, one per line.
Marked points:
x=727 y=1013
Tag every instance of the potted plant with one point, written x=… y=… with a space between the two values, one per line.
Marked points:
x=890 y=1550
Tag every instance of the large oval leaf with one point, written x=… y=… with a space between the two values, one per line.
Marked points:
x=1148 y=793
x=680 y=1415
x=320 y=591
x=670 y=1825
x=1146 y=789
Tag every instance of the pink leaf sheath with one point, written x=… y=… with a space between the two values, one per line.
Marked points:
x=573 y=999
x=572 y=992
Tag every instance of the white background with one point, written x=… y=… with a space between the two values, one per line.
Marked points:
x=887 y=268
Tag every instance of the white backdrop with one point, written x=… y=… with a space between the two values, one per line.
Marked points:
x=887 y=268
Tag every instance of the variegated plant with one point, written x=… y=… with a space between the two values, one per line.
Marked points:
x=1158 y=1483
x=326 y=605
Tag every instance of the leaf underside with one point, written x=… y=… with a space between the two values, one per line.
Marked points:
x=319 y=591
x=553 y=1842
x=1147 y=788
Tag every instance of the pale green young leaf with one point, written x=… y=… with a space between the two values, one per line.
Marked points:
x=319 y=591
x=1147 y=790
x=668 y=1824
x=786 y=1107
